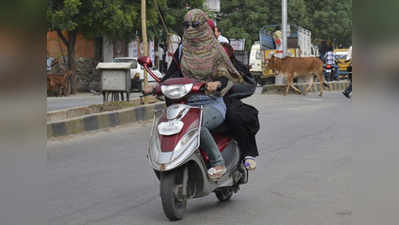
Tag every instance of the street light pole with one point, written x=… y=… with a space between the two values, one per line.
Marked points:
x=145 y=43
x=284 y=26
x=279 y=79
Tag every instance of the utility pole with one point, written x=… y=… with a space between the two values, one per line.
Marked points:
x=145 y=42
x=144 y=36
x=284 y=26
x=279 y=78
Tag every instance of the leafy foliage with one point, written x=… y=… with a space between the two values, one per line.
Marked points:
x=243 y=19
x=116 y=19
x=174 y=11
x=327 y=19
x=120 y=19
x=331 y=20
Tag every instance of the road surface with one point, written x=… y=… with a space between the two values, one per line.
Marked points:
x=303 y=175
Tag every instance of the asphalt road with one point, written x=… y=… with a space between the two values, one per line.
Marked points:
x=303 y=175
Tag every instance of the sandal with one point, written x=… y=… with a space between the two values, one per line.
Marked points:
x=216 y=172
x=250 y=163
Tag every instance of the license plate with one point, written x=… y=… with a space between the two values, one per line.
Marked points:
x=170 y=127
x=328 y=71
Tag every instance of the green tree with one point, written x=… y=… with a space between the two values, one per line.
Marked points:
x=331 y=20
x=174 y=11
x=297 y=13
x=115 y=19
x=243 y=19
x=327 y=19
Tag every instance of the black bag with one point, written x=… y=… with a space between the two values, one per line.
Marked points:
x=241 y=117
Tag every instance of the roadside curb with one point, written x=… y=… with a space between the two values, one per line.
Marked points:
x=65 y=114
x=102 y=120
x=280 y=89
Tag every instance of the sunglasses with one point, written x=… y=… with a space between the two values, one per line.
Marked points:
x=194 y=24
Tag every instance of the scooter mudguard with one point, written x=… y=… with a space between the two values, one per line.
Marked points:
x=175 y=136
x=191 y=121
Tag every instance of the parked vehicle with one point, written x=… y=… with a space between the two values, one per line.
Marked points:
x=137 y=73
x=255 y=61
x=175 y=153
x=343 y=65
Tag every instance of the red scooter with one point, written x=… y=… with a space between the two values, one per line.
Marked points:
x=175 y=152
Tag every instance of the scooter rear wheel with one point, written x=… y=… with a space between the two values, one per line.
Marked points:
x=173 y=207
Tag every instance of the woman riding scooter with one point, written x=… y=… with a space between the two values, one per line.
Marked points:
x=241 y=119
x=204 y=59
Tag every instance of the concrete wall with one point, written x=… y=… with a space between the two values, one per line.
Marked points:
x=108 y=50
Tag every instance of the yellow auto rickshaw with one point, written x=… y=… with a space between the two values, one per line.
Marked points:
x=340 y=56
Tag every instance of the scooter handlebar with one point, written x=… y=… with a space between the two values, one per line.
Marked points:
x=151 y=73
x=146 y=62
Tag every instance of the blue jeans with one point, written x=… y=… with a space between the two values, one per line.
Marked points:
x=212 y=118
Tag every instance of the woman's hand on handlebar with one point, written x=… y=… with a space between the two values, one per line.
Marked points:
x=213 y=86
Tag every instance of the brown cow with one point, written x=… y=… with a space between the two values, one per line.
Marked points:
x=292 y=67
x=59 y=82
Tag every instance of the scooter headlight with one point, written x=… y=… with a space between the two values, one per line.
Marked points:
x=176 y=91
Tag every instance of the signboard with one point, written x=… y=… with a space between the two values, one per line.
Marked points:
x=212 y=5
x=238 y=44
x=133 y=51
x=151 y=51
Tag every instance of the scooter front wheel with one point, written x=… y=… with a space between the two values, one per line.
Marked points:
x=224 y=194
x=173 y=207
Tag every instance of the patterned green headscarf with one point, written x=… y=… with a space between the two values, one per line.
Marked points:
x=203 y=57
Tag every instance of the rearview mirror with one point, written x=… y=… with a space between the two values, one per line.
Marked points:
x=145 y=60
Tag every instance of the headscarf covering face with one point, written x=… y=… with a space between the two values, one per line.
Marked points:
x=203 y=57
